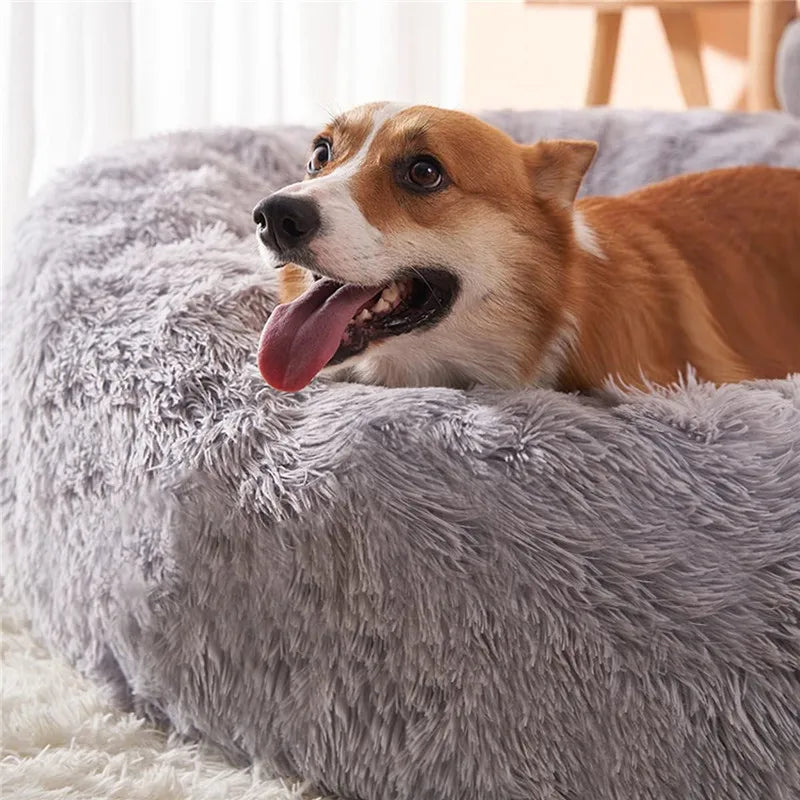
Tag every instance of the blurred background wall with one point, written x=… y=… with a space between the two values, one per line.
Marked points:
x=537 y=56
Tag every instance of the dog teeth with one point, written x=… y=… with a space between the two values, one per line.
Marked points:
x=364 y=316
x=388 y=300
x=391 y=294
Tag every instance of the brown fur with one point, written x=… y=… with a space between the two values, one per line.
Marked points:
x=701 y=270
x=349 y=132
x=482 y=169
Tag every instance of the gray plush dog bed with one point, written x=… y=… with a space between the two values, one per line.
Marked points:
x=787 y=68
x=396 y=594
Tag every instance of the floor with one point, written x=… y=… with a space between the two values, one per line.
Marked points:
x=61 y=738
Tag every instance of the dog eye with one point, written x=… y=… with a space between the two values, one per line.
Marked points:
x=320 y=157
x=425 y=173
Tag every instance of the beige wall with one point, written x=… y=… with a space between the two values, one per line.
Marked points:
x=535 y=56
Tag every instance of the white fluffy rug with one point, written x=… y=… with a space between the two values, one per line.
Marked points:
x=62 y=739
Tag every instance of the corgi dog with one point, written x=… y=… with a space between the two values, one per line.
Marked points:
x=426 y=247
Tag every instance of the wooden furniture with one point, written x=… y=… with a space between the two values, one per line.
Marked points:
x=767 y=19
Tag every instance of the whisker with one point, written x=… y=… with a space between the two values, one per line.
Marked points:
x=425 y=281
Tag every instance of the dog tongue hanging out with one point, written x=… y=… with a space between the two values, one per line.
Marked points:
x=428 y=248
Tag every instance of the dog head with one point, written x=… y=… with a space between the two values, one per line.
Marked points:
x=424 y=247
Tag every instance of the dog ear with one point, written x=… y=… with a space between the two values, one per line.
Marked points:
x=556 y=167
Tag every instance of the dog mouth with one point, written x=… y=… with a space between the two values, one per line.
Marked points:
x=404 y=305
x=332 y=322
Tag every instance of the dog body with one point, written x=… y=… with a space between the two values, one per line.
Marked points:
x=703 y=269
x=428 y=248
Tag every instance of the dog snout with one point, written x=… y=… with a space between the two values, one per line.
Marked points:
x=285 y=222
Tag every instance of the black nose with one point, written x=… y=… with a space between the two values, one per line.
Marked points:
x=285 y=222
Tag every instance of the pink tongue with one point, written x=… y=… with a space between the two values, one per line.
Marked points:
x=301 y=337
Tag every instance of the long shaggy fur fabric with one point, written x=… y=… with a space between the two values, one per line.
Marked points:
x=395 y=594
x=787 y=68
x=64 y=740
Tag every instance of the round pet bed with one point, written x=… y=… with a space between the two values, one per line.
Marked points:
x=394 y=594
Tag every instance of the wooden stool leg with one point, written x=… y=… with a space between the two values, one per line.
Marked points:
x=685 y=45
x=768 y=18
x=604 y=55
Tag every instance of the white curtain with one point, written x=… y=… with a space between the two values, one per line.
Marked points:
x=78 y=77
